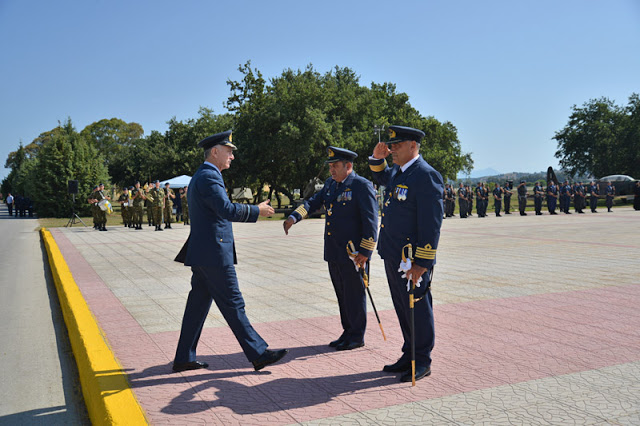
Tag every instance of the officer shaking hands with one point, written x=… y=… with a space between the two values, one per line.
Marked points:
x=352 y=217
x=411 y=221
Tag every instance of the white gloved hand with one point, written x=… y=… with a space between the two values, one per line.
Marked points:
x=353 y=259
x=409 y=281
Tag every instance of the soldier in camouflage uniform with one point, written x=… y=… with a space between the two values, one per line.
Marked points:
x=185 y=206
x=94 y=205
x=138 y=196
x=98 y=196
x=124 y=207
x=157 y=201
x=148 y=202
x=167 y=209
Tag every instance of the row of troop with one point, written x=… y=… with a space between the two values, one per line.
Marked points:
x=553 y=194
x=133 y=200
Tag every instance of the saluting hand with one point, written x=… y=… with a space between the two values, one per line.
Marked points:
x=266 y=209
x=381 y=151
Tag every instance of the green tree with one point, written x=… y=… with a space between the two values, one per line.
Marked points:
x=601 y=139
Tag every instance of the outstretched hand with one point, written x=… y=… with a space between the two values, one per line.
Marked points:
x=266 y=209
x=381 y=151
x=287 y=224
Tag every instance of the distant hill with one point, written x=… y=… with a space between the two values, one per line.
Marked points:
x=481 y=173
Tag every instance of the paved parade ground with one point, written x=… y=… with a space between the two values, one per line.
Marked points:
x=537 y=322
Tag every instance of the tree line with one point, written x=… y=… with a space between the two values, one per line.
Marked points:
x=601 y=138
x=281 y=127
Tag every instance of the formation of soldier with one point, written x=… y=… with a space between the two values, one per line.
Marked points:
x=159 y=203
x=557 y=196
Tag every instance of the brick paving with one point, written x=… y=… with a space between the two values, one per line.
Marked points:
x=537 y=322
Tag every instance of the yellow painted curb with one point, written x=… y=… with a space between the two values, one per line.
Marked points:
x=106 y=390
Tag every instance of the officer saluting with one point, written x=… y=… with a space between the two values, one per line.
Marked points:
x=412 y=214
x=352 y=215
x=210 y=251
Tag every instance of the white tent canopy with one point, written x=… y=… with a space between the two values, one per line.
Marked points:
x=177 y=182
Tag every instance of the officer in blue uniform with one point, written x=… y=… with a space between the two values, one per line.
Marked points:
x=593 y=199
x=412 y=215
x=497 y=197
x=210 y=251
x=479 y=202
x=352 y=216
x=552 y=197
x=538 y=193
x=578 y=200
x=610 y=192
x=567 y=193
x=462 y=201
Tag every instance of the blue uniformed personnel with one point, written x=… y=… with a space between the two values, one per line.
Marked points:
x=593 y=198
x=497 y=197
x=479 y=193
x=610 y=192
x=522 y=197
x=411 y=219
x=538 y=193
x=210 y=251
x=552 y=197
x=352 y=216
x=462 y=201
x=578 y=198
x=506 y=190
x=567 y=194
x=469 y=200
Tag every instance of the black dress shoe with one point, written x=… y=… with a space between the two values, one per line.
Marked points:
x=269 y=357
x=193 y=365
x=420 y=373
x=400 y=366
x=346 y=346
x=335 y=343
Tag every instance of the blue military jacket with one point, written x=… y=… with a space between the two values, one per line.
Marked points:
x=412 y=211
x=352 y=215
x=211 y=213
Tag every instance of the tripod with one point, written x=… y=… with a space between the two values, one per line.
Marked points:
x=74 y=216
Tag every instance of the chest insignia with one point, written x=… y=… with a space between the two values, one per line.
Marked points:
x=401 y=192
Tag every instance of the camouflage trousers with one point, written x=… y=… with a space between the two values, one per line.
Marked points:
x=167 y=212
x=136 y=215
x=157 y=215
x=126 y=215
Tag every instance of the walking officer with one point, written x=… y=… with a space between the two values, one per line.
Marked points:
x=411 y=221
x=210 y=251
x=352 y=216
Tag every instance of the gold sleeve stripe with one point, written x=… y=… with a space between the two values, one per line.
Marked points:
x=426 y=252
x=368 y=244
x=301 y=211
x=378 y=167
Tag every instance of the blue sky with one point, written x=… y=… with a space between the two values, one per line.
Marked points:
x=504 y=72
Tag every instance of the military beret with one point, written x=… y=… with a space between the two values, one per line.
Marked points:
x=522 y=181
x=156 y=181
x=223 y=138
x=95 y=187
x=340 y=154
x=401 y=134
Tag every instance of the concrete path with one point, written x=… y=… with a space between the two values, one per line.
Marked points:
x=537 y=322
x=38 y=377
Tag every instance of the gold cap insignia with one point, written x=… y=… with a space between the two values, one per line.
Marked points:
x=331 y=153
x=392 y=133
x=230 y=134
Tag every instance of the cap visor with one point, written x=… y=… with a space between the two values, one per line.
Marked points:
x=230 y=145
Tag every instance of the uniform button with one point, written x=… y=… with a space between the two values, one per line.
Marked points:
x=382 y=225
x=328 y=223
x=382 y=214
x=328 y=233
x=220 y=239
